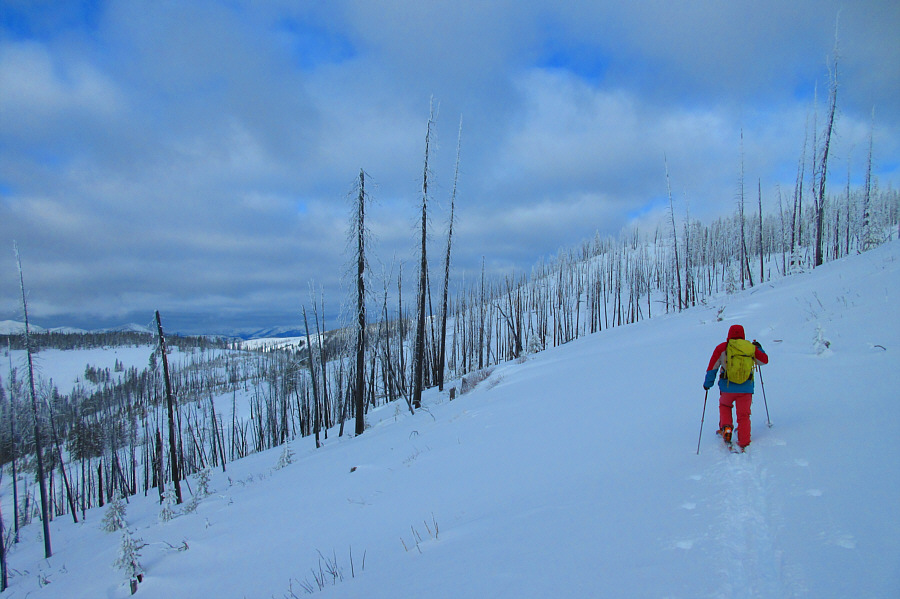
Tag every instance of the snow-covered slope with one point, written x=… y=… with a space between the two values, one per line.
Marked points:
x=12 y=327
x=572 y=474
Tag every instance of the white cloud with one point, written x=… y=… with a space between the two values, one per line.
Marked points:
x=42 y=91
x=180 y=152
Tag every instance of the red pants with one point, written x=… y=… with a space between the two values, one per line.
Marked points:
x=741 y=403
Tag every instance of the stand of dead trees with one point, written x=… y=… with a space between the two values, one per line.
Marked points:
x=231 y=399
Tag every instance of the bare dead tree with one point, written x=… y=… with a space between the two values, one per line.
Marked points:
x=759 y=197
x=323 y=364
x=674 y=231
x=823 y=164
x=4 y=578
x=690 y=293
x=38 y=447
x=481 y=316
x=419 y=350
x=783 y=231
x=170 y=408
x=14 y=450
x=745 y=258
x=443 y=342
x=315 y=386
x=847 y=204
x=796 y=218
x=868 y=239
x=62 y=464
x=217 y=437
x=359 y=387
x=158 y=465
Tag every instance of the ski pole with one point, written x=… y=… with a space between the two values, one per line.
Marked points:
x=765 y=403
x=706 y=395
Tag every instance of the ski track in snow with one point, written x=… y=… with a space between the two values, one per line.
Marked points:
x=742 y=534
x=747 y=523
x=744 y=531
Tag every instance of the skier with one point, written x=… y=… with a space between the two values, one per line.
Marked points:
x=735 y=359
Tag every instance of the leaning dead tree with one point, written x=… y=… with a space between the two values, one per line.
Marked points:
x=38 y=449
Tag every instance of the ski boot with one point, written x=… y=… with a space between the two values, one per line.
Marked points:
x=725 y=433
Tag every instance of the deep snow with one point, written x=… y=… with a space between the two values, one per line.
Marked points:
x=571 y=474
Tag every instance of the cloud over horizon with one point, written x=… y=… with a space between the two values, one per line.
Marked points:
x=198 y=157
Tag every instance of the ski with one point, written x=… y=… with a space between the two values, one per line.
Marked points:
x=733 y=448
x=726 y=434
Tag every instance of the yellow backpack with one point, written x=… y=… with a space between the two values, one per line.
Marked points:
x=739 y=360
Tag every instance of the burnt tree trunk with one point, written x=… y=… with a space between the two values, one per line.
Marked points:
x=442 y=357
x=45 y=510
x=419 y=349
x=823 y=165
x=170 y=408
x=359 y=391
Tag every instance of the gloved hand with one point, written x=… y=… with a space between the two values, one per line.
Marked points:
x=710 y=379
x=758 y=345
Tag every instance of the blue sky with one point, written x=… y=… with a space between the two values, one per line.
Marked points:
x=197 y=157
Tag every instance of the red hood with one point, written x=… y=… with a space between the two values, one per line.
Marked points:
x=736 y=332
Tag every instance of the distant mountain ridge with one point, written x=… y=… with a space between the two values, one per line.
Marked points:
x=13 y=327
x=268 y=332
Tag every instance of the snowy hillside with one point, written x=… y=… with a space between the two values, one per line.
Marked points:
x=571 y=474
x=12 y=327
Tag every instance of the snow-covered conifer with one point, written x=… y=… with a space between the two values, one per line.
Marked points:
x=203 y=483
x=167 y=512
x=129 y=559
x=114 y=519
x=287 y=457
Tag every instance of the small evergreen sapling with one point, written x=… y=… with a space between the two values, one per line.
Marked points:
x=167 y=512
x=202 y=491
x=129 y=559
x=203 y=483
x=287 y=457
x=114 y=519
